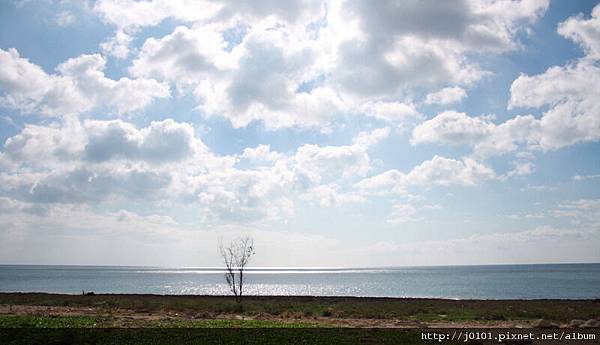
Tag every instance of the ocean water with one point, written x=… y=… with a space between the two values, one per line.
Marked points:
x=564 y=281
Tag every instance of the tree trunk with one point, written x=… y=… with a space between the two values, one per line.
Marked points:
x=241 y=285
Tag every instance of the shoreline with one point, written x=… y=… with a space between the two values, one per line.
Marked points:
x=93 y=293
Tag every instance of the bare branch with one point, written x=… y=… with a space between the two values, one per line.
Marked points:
x=236 y=256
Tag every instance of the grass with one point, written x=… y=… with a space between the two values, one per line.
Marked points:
x=207 y=307
x=155 y=319
x=341 y=307
x=31 y=321
x=61 y=321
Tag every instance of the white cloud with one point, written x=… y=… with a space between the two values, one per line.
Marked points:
x=446 y=171
x=282 y=66
x=64 y=18
x=537 y=188
x=85 y=185
x=446 y=96
x=570 y=92
x=573 y=99
x=393 y=112
x=329 y=195
x=97 y=161
x=481 y=133
x=266 y=191
x=394 y=43
x=39 y=145
x=130 y=16
x=586 y=177
x=439 y=171
x=586 y=32
x=523 y=164
x=98 y=141
x=80 y=86
x=261 y=153
x=182 y=57
x=8 y=205
x=521 y=167
x=160 y=142
x=452 y=127
x=366 y=139
x=135 y=14
x=314 y=162
x=225 y=82
x=102 y=162
x=244 y=196
x=583 y=212
x=315 y=65
x=118 y=45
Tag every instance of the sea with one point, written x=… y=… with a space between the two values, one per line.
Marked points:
x=556 y=281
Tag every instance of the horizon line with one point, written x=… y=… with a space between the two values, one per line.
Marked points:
x=300 y=268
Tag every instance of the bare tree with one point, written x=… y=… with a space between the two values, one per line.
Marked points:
x=236 y=256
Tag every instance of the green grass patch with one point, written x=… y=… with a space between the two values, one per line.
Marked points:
x=32 y=321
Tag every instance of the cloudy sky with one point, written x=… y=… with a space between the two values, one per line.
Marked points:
x=336 y=133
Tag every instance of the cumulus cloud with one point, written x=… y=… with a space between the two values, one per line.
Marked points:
x=481 y=133
x=446 y=96
x=243 y=196
x=393 y=112
x=571 y=94
x=136 y=14
x=267 y=191
x=95 y=161
x=586 y=32
x=184 y=56
x=42 y=144
x=100 y=161
x=314 y=64
x=439 y=171
x=86 y=185
x=161 y=141
x=391 y=46
x=79 y=86
x=366 y=139
x=261 y=153
x=117 y=46
x=300 y=64
x=130 y=16
x=98 y=141
x=451 y=127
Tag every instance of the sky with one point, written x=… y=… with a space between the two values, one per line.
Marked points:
x=334 y=133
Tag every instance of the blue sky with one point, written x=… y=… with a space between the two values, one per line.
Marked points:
x=336 y=133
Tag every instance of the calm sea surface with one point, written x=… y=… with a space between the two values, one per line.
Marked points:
x=574 y=281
